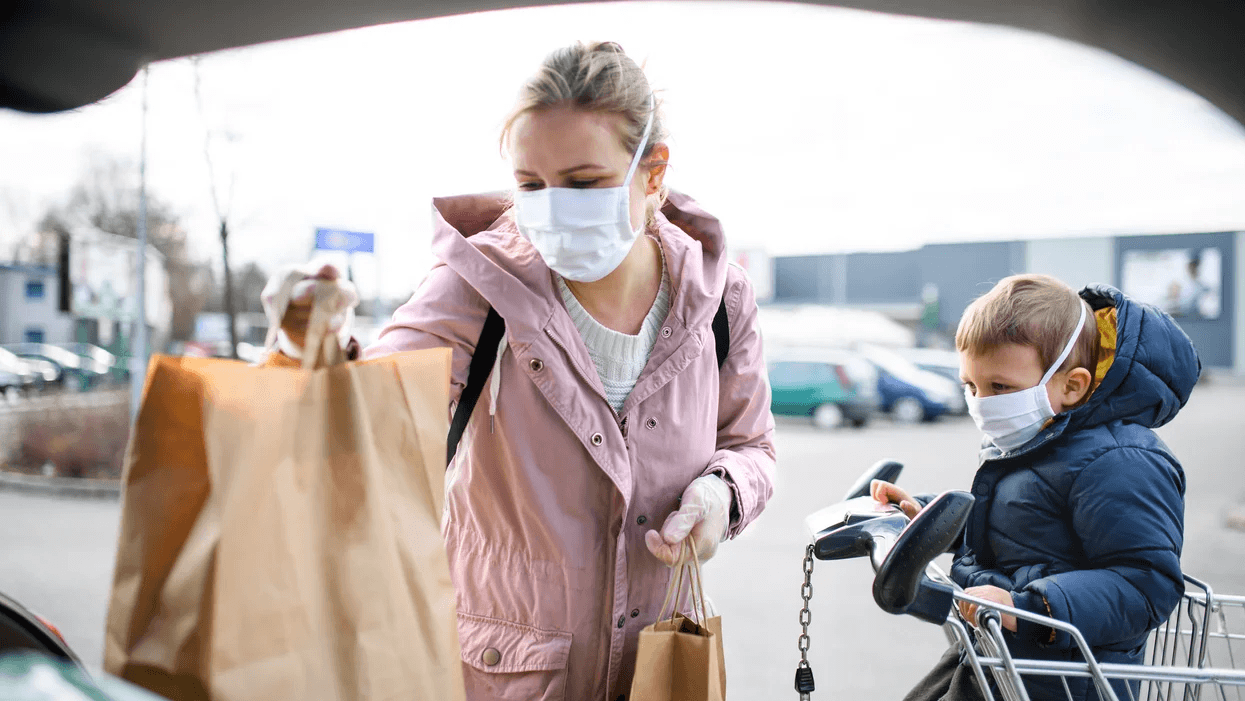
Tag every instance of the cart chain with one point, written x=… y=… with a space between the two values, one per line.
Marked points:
x=804 y=673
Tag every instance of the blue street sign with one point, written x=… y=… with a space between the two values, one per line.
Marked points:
x=349 y=241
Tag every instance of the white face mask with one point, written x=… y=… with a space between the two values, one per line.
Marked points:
x=1011 y=420
x=582 y=234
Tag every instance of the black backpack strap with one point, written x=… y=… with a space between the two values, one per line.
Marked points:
x=477 y=374
x=722 y=332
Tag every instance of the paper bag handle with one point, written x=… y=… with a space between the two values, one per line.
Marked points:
x=691 y=570
x=321 y=348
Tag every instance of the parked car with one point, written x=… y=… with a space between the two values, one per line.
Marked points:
x=12 y=383
x=908 y=393
x=97 y=360
x=935 y=360
x=72 y=372
x=832 y=387
x=15 y=374
x=24 y=375
x=940 y=362
x=45 y=372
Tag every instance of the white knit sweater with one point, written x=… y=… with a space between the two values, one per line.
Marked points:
x=619 y=357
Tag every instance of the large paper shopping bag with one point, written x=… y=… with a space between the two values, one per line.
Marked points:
x=280 y=531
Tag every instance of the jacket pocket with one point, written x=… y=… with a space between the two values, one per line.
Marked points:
x=512 y=662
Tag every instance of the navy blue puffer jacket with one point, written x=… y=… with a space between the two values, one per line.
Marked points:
x=1089 y=515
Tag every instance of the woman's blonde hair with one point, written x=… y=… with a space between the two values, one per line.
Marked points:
x=596 y=77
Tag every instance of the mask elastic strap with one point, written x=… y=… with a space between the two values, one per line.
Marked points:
x=648 y=128
x=1067 y=350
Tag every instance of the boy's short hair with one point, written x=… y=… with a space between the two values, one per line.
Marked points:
x=1030 y=310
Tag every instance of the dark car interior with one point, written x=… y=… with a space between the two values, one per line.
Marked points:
x=58 y=55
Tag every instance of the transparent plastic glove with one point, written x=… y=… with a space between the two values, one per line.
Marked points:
x=704 y=515
x=287 y=301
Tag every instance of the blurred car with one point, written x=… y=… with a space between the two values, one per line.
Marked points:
x=940 y=362
x=45 y=372
x=12 y=383
x=98 y=361
x=908 y=393
x=205 y=349
x=24 y=375
x=831 y=387
x=72 y=372
x=16 y=375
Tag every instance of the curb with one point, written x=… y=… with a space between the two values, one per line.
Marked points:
x=60 y=487
x=70 y=400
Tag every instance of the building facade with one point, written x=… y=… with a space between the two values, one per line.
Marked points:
x=30 y=306
x=1195 y=277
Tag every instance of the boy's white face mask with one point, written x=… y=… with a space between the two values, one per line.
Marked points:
x=582 y=234
x=1011 y=420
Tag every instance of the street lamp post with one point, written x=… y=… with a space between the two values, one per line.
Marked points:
x=138 y=340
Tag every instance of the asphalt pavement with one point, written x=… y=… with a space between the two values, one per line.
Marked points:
x=56 y=555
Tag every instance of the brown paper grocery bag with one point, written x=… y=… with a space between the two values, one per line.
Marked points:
x=679 y=659
x=280 y=532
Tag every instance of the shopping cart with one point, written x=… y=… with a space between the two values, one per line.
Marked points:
x=1179 y=663
x=1206 y=631
x=1195 y=655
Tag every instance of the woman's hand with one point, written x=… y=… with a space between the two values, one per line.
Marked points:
x=989 y=593
x=887 y=493
x=288 y=297
x=704 y=515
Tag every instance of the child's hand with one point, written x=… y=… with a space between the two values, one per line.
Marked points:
x=887 y=493
x=989 y=593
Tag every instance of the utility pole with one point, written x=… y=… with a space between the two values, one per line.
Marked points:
x=230 y=310
x=138 y=340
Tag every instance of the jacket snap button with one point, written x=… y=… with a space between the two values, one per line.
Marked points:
x=622 y=620
x=635 y=613
x=491 y=657
x=642 y=520
x=537 y=365
x=982 y=490
x=650 y=424
x=665 y=332
x=597 y=439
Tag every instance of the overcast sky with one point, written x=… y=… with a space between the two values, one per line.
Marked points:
x=806 y=129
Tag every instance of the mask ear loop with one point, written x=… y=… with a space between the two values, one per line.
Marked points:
x=1067 y=350
x=648 y=129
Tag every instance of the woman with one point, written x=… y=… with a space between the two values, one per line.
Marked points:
x=606 y=411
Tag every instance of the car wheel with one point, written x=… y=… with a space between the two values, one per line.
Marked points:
x=11 y=395
x=828 y=416
x=908 y=410
x=75 y=383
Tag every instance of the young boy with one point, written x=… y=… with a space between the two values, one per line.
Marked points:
x=1079 y=510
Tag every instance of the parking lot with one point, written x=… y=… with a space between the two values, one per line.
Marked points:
x=57 y=554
